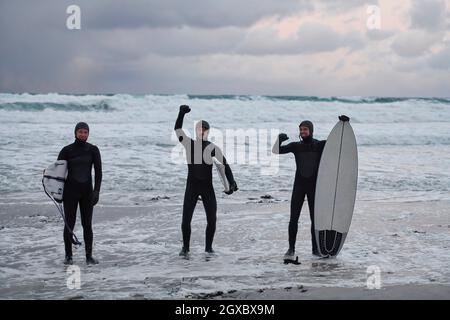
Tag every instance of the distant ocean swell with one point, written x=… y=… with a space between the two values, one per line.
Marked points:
x=61 y=102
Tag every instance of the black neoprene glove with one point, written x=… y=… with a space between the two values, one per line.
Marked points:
x=185 y=109
x=95 y=197
x=344 y=118
x=283 y=137
x=233 y=188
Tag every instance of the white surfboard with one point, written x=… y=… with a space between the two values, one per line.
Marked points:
x=221 y=171
x=54 y=178
x=336 y=189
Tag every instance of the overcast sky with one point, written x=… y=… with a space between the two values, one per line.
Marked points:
x=272 y=47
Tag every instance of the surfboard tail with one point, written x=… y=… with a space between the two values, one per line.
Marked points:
x=329 y=242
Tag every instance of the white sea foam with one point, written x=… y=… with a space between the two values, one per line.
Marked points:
x=404 y=144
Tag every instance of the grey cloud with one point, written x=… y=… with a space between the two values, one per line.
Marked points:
x=311 y=38
x=378 y=35
x=136 y=43
x=337 y=6
x=192 y=49
x=441 y=59
x=178 y=13
x=428 y=14
x=117 y=14
x=188 y=41
x=23 y=15
x=414 y=43
x=201 y=13
x=315 y=37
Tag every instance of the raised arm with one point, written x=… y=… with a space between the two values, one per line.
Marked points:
x=291 y=147
x=181 y=135
x=278 y=148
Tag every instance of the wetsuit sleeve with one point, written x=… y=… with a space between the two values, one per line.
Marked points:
x=97 y=168
x=279 y=149
x=62 y=154
x=181 y=135
x=218 y=154
x=321 y=145
x=293 y=147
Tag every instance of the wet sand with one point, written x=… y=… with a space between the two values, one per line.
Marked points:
x=403 y=292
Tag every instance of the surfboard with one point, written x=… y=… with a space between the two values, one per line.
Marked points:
x=221 y=171
x=53 y=181
x=336 y=189
x=54 y=178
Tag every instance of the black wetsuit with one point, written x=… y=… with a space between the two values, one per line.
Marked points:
x=80 y=156
x=199 y=154
x=307 y=157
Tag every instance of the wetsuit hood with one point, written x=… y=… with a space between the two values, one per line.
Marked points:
x=310 y=126
x=204 y=124
x=80 y=125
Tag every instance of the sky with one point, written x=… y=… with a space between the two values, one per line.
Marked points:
x=256 y=47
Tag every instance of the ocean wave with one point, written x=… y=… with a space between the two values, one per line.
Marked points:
x=108 y=102
x=71 y=106
x=351 y=100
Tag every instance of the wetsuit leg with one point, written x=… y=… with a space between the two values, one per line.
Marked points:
x=210 y=205
x=86 y=210
x=190 y=200
x=298 y=196
x=311 y=195
x=70 y=203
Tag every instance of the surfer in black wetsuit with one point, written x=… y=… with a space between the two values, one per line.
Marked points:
x=80 y=157
x=307 y=154
x=199 y=154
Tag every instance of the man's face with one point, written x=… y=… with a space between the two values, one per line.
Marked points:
x=82 y=134
x=304 y=132
x=202 y=133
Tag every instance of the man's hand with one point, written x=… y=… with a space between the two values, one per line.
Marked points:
x=185 y=109
x=344 y=118
x=95 y=197
x=283 y=137
x=233 y=188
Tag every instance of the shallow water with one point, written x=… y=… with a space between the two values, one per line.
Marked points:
x=138 y=250
x=400 y=225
